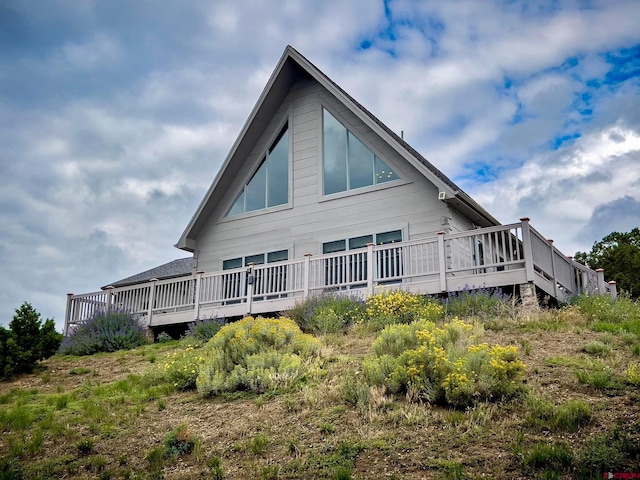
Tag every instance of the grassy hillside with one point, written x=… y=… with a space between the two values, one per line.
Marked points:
x=114 y=416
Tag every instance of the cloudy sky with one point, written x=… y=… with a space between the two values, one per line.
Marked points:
x=115 y=115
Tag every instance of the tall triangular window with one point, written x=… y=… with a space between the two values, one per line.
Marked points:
x=347 y=162
x=269 y=185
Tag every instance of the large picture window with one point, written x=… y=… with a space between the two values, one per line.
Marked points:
x=347 y=162
x=269 y=185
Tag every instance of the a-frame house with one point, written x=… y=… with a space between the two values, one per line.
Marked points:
x=317 y=194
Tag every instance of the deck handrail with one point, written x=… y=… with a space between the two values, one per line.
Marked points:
x=495 y=256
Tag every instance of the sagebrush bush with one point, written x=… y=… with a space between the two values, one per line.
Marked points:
x=478 y=302
x=257 y=355
x=398 y=306
x=327 y=313
x=443 y=364
x=105 y=332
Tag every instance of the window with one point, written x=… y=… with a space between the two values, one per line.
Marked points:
x=269 y=185
x=348 y=164
x=272 y=280
x=340 y=270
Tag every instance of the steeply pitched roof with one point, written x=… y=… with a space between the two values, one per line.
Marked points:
x=291 y=67
x=176 y=268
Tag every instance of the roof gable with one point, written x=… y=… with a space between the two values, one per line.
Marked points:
x=291 y=67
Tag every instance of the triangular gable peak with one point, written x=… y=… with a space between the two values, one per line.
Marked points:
x=291 y=67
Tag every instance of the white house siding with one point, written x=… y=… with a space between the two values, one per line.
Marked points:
x=310 y=219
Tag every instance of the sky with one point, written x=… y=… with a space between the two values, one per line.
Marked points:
x=115 y=116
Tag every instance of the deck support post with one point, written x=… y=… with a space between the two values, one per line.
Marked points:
x=196 y=295
x=613 y=290
x=250 y=282
x=152 y=300
x=442 y=261
x=528 y=250
x=307 y=275
x=528 y=296
x=67 y=316
x=370 y=269
x=602 y=286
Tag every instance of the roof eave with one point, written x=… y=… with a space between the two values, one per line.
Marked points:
x=186 y=242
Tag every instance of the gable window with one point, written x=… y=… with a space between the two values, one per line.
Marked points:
x=269 y=185
x=347 y=162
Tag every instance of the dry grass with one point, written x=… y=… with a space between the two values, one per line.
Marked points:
x=312 y=432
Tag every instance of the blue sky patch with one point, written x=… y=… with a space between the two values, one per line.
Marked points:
x=563 y=139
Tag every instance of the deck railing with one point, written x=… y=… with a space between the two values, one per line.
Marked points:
x=497 y=256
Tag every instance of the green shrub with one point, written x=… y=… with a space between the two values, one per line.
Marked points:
x=597 y=348
x=443 y=364
x=257 y=355
x=612 y=451
x=398 y=306
x=555 y=457
x=26 y=342
x=327 y=313
x=105 y=332
x=203 y=330
x=598 y=379
x=215 y=468
x=179 y=442
x=355 y=391
x=608 y=315
x=163 y=337
x=568 y=417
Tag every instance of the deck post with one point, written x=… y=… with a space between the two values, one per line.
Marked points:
x=370 y=268
x=67 y=316
x=553 y=268
x=307 y=275
x=152 y=300
x=602 y=286
x=613 y=290
x=196 y=296
x=527 y=248
x=442 y=261
x=109 y=300
x=250 y=281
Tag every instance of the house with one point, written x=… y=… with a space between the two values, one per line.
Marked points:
x=318 y=194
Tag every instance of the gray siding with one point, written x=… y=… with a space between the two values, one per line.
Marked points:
x=310 y=219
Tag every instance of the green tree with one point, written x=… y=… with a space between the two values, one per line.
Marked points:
x=619 y=255
x=26 y=342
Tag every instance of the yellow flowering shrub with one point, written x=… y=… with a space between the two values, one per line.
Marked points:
x=257 y=354
x=443 y=364
x=633 y=374
x=181 y=368
x=398 y=306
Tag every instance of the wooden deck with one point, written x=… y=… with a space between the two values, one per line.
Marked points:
x=502 y=256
